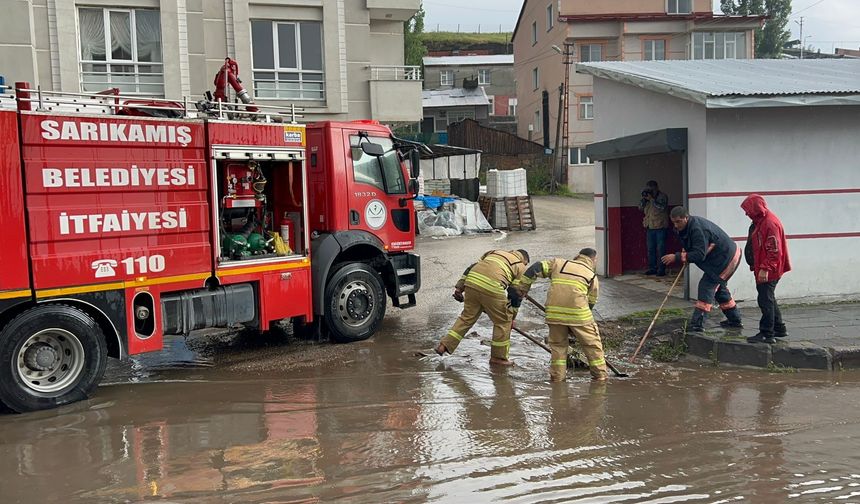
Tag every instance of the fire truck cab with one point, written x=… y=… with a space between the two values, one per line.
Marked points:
x=127 y=220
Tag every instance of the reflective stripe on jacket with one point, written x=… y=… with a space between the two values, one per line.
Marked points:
x=573 y=287
x=495 y=272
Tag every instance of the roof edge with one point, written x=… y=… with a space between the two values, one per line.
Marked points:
x=662 y=16
x=661 y=87
x=519 y=18
x=765 y=101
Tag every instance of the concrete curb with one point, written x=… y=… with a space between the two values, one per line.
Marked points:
x=734 y=350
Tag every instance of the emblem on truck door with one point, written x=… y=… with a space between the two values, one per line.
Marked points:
x=374 y=214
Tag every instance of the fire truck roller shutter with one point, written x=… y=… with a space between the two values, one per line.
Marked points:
x=50 y=355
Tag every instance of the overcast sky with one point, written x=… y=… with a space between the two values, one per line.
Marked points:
x=828 y=23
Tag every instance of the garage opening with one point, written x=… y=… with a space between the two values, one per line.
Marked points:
x=628 y=164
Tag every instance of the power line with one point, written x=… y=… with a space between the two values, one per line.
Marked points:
x=461 y=6
x=806 y=8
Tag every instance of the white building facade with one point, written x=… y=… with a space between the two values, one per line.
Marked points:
x=714 y=132
x=338 y=59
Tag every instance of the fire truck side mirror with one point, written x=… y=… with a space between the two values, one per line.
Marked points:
x=414 y=163
x=372 y=149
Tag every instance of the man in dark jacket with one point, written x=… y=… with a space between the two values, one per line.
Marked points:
x=655 y=207
x=717 y=255
x=767 y=254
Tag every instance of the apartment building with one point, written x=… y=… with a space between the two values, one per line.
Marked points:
x=492 y=72
x=338 y=59
x=622 y=30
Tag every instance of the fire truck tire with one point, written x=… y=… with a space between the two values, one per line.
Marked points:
x=355 y=303
x=50 y=355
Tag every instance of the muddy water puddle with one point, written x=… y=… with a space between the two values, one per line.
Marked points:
x=377 y=425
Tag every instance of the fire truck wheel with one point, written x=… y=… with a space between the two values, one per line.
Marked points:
x=355 y=303
x=50 y=355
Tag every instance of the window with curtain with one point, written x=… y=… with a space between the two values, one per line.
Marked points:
x=446 y=78
x=288 y=59
x=718 y=45
x=586 y=107
x=512 y=106
x=121 y=48
x=679 y=6
x=577 y=156
x=590 y=52
x=654 y=50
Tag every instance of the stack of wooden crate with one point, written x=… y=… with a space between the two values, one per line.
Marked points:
x=514 y=213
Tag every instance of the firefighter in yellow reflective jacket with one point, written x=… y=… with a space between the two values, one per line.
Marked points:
x=483 y=288
x=572 y=294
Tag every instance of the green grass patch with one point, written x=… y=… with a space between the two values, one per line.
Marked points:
x=667 y=352
x=773 y=367
x=463 y=40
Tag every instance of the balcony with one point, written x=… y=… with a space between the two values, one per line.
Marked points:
x=392 y=10
x=395 y=93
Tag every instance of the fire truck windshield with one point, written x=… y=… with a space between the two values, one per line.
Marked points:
x=384 y=172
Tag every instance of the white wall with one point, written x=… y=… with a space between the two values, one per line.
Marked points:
x=580 y=178
x=625 y=111
x=792 y=149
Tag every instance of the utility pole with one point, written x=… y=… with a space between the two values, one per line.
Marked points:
x=801 y=35
x=565 y=132
x=558 y=162
x=564 y=115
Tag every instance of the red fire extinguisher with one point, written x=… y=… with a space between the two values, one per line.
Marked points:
x=286 y=227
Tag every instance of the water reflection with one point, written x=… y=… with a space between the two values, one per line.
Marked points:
x=454 y=431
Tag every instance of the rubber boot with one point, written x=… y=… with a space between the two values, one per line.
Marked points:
x=733 y=319
x=697 y=321
x=761 y=338
x=780 y=331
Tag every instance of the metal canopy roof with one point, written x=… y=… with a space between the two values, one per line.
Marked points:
x=740 y=83
x=643 y=144
x=454 y=97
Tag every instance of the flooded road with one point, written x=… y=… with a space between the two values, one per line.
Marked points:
x=263 y=420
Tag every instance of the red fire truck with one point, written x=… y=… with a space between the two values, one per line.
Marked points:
x=126 y=220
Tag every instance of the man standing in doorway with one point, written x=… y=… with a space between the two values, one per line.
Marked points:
x=717 y=255
x=655 y=205
x=767 y=253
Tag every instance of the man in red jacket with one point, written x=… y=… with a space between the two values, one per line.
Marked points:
x=767 y=253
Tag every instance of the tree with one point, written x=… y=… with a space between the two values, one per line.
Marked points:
x=773 y=35
x=413 y=48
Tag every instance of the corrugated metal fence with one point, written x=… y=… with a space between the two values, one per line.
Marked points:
x=469 y=133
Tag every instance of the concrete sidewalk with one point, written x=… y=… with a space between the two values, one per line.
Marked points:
x=823 y=336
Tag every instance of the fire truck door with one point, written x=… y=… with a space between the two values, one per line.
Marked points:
x=378 y=200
